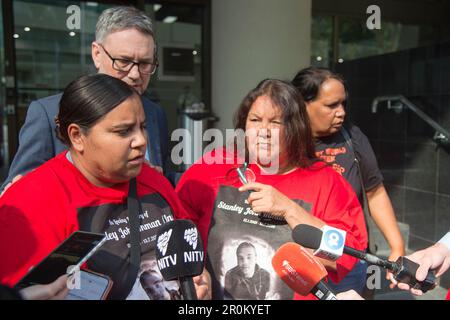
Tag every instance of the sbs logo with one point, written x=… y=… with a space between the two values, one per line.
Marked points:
x=191 y=237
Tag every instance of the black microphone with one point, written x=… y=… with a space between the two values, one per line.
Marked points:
x=312 y=237
x=403 y=269
x=180 y=255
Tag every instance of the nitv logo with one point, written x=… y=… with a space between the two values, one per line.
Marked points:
x=163 y=241
x=334 y=239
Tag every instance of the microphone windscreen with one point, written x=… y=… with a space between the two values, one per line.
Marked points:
x=179 y=250
x=307 y=236
x=298 y=268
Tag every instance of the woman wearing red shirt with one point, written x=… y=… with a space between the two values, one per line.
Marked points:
x=288 y=185
x=102 y=121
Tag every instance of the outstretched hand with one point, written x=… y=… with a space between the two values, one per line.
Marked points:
x=436 y=257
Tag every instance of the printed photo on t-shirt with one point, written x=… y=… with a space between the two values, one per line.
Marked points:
x=150 y=284
x=240 y=249
x=247 y=273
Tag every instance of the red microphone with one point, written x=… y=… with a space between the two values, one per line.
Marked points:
x=301 y=271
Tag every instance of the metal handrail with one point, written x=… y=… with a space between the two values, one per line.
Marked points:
x=441 y=135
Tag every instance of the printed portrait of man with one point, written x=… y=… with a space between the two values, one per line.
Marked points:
x=247 y=280
x=154 y=285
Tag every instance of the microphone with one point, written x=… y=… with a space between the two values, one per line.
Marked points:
x=329 y=242
x=180 y=255
x=301 y=271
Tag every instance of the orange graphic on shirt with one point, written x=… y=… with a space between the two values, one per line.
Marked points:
x=329 y=156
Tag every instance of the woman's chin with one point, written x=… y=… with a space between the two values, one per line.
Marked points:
x=126 y=176
x=134 y=172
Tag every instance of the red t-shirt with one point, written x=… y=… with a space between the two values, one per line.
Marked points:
x=43 y=208
x=318 y=189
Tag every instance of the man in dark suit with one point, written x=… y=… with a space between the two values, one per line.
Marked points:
x=124 y=48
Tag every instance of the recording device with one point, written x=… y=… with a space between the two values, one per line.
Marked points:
x=89 y=285
x=404 y=270
x=179 y=254
x=72 y=252
x=301 y=271
x=265 y=216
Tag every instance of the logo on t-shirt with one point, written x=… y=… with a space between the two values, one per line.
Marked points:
x=163 y=241
x=191 y=236
x=329 y=155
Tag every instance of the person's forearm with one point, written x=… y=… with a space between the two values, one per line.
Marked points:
x=383 y=214
x=297 y=215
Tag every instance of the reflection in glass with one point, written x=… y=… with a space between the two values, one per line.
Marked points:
x=48 y=54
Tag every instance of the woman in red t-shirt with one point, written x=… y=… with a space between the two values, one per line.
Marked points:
x=102 y=121
x=286 y=186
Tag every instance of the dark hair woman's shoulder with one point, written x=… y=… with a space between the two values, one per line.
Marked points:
x=353 y=128
x=359 y=138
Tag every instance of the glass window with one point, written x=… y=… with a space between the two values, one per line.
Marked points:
x=354 y=40
x=322 y=40
x=48 y=54
x=177 y=83
x=357 y=41
x=3 y=119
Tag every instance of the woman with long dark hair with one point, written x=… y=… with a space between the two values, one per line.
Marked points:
x=342 y=145
x=262 y=186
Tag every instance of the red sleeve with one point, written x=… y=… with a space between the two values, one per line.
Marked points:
x=342 y=210
x=32 y=224
x=197 y=194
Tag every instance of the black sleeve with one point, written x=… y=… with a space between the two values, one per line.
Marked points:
x=371 y=174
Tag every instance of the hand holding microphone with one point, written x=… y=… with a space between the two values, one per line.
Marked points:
x=330 y=244
x=301 y=271
x=271 y=204
x=436 y=257
x=180 y=256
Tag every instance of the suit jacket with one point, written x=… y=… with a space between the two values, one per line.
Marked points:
x=38 y=142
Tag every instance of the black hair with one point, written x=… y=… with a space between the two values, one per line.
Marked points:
x=298 y=136
x=309 y=80
x=87 y=99
x=243 y=245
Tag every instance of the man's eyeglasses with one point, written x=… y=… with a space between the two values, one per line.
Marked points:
x=126 y=65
